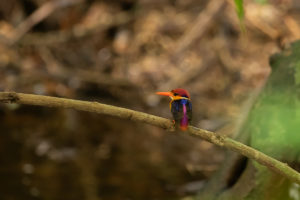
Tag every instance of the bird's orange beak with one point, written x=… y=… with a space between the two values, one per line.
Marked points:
x=168 y=94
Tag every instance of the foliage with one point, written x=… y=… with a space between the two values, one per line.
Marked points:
x=239 y=8
x=275 y=119
x=274 y=124
x=240 y=13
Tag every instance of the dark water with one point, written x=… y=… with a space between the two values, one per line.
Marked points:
x=57 y=154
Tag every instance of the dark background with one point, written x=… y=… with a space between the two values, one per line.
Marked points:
x=121 y=53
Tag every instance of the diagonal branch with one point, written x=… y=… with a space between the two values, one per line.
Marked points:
x=40 y=14
x=123 y=113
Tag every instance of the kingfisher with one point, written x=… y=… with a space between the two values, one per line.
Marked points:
x=180 y=106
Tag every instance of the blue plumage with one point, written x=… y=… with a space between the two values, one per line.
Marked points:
x=178 y=111
x=181 y=107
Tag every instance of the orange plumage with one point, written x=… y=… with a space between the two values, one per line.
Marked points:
x=180 y=106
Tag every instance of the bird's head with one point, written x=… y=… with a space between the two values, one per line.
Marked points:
x=176 y=94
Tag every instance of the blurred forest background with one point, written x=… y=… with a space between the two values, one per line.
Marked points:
x=121 y=52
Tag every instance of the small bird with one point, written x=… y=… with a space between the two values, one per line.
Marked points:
x=180 y=106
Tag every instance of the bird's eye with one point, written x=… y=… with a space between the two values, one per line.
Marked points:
x=175 y=94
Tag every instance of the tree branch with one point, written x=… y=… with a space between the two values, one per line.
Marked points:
x=123 y=113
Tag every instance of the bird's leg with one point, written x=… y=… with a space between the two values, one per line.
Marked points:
x=174 y=124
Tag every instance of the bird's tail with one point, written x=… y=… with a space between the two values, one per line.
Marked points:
x=184 y=121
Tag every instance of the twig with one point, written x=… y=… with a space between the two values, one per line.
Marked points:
x=123 y=113
x=40 y=14
x=256 y=19
x=200 y=26
x=76 y=32
x=292 y=25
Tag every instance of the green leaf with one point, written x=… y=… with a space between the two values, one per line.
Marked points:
x=274 y=120
x=240 y=13
x=239 y=8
